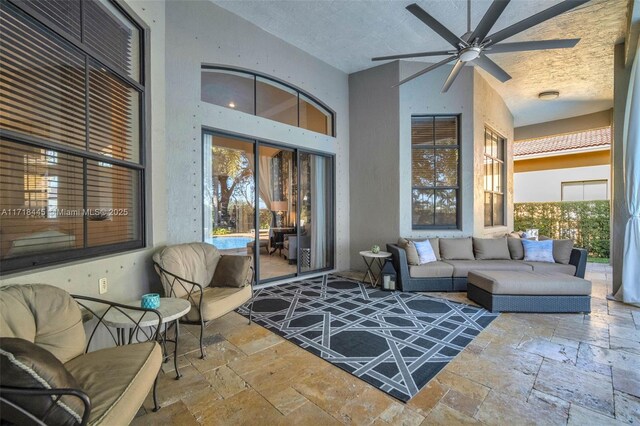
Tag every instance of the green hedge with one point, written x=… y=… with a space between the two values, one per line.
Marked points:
x=585 y=222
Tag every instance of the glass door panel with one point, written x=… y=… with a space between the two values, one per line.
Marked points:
x=278 y=206
x=229 y=194
x=315 y=248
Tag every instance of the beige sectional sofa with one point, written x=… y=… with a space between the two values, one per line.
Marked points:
x=456 y=257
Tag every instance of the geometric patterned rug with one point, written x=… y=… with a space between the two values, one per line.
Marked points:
x=392 y=340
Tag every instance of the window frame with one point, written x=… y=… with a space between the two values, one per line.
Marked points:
x=255 y=75
x=583 y=182
x=457 y=188
x=141 y=167
x=500 y=139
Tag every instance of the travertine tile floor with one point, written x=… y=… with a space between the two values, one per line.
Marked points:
x=523 y=369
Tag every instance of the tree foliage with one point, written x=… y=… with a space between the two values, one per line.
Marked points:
x=232 y=170
x=585 y=222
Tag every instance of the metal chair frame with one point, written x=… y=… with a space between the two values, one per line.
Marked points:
x=192 y=289
x=21 y=415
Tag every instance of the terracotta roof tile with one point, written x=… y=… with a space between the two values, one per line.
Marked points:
x=558 y=143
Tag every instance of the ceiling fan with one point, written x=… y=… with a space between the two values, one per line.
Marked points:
x=474 y=45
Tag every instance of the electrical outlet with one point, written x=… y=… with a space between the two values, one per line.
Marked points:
x=102 y=285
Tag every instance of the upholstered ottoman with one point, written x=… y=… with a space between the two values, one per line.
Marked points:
x=527 y=291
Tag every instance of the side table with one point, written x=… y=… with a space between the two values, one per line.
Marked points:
x=171 y=309
x=370 y=258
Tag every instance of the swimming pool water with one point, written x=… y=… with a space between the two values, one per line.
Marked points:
x=225 y=243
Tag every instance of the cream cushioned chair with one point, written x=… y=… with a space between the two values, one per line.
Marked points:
x=115 y=380
x=199 y=273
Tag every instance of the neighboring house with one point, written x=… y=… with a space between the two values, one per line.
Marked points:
x=568 y=167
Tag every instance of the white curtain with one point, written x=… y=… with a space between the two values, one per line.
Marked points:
x=318 y=212
x=629 y=292
x=264 y=181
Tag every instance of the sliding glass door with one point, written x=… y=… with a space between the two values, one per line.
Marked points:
x=228 y=193
x=271 y=202
x=278 y=211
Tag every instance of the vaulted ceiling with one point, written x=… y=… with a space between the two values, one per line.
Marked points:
x=348 y=33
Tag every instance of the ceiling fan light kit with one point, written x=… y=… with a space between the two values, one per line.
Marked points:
x=473 y=46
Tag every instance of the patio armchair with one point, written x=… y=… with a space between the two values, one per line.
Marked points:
x=214 y=284
x=49 y=376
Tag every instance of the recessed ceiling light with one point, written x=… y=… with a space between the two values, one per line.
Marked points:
x=550 y=95
x=232 y=105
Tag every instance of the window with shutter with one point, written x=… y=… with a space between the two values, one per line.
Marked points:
x=71 y=131
x=435 y=159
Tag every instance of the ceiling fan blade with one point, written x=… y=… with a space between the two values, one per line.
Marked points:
x=432 y=23
x=452 y=75
x=412 y=55
x=532 y=45
x=492 y=68
x=535 y=20
x=426 y=70
x=488 y=20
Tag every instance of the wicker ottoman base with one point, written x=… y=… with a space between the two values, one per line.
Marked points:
x=529 y=291
x=525 y=303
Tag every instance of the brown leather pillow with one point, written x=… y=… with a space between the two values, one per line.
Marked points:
x=231 y=271
x=27 y=365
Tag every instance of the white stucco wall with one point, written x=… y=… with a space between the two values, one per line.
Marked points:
x=199 y=32
x=490 y=110
x=187 y=34
x=546 y=185
x=423 y=96
x=381 y=149
x=129 y=274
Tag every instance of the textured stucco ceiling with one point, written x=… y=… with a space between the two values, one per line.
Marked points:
x=348 y=33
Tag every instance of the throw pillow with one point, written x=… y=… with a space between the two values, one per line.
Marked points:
x=562 y=251
x=515 y=248
x=538 y=251
x=491 y=248
x=456 y=248
x=231 y=271
x=27 y=365
x=425 y=252
x=410 y=250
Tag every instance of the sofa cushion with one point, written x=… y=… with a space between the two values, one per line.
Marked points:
x=561 y=249
x=491 y=248
x=456 y=248
x=529 y=283
x=437 y=269
x=231 y=271
x=552 y=267
x=26 y=365
x=515 y=248
x=195 y=262
x=412 y=253
x=45 y=315
x=538 y=251
x=425 y=252
x=218 y=301
x=461 y=268
x=117 y=380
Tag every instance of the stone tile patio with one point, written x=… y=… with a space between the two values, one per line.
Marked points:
x=523 y=369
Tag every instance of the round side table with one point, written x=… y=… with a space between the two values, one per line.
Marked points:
x=171 y=309
x=370 y=258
